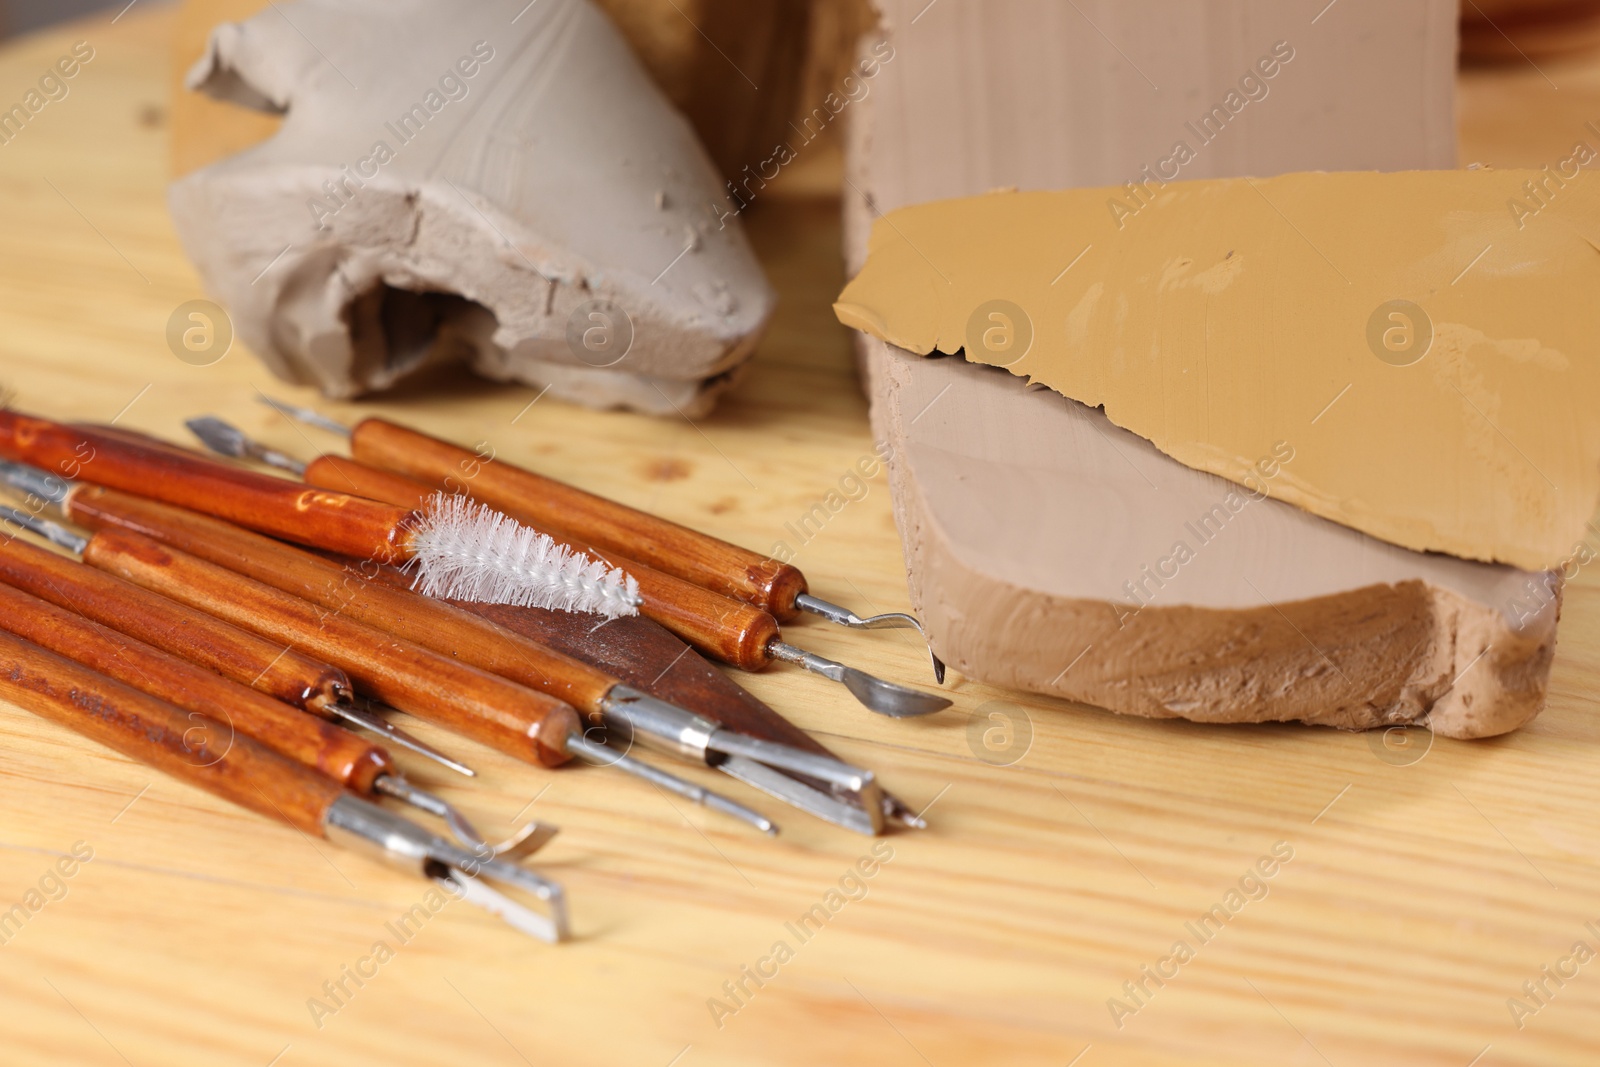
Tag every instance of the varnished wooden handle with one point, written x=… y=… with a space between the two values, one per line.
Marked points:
x=544 y=502
x=273 y=668
x=206 y=695
x=720 y=626
x=163 y=736
x=350 y=590
x=509 y=717
x=337 y=521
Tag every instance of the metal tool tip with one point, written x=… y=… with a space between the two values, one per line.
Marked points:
x=938 y=667
x=218 y=436
x=718 y=802
x=305 y=415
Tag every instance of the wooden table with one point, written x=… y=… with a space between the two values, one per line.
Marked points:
x=1426 y=884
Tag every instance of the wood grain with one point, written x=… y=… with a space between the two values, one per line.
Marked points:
x=1419 y=899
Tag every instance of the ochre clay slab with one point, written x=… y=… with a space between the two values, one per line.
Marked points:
x=1221 y=317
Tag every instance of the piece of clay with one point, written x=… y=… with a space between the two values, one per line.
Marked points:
x=1024 y=527
x=1428 y=341
x=1143 y=586
x=494 y=184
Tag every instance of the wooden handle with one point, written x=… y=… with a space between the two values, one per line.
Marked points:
x=544 y=502
x=163 y=736
x=337 y=521
x=499 y=713
x=350 y=590
x=644 y=655
x=720 y=626
x=272 y=668
x=206 y=695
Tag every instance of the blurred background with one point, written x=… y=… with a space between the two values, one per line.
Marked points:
x=1490 y=29
x=20 y=16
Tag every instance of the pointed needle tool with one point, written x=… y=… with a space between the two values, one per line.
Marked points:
x=368 y=719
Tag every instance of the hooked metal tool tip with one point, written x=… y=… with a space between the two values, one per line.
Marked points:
x=528 y=839
x=892 y=620
x=401 y=843
x=885 y=698
x=228 y=440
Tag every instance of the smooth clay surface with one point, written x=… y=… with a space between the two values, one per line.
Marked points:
x=1140 y=585
x=468 y=183
x=1426 y=341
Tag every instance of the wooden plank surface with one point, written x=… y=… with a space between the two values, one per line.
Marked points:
x=1421 y=894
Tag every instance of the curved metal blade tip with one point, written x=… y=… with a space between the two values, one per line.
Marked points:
x=526 y=841
x=887 y=698
x=938 y=667
x=889 y=620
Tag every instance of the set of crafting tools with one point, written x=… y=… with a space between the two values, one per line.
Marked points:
x=231 y=627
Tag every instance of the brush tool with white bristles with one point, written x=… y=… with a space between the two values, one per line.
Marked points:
x=464 y=550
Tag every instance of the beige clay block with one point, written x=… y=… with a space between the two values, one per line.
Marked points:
x=1054 y=552
x=1220 y=317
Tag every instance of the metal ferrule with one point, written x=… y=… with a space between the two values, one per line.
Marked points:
x=388 y=837
x=641 y=718
x=53 y=532
x=809 y=660
x=51 y=488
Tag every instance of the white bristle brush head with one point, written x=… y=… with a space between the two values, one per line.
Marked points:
x=466 y=551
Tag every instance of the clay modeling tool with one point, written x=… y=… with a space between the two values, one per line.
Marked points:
x=695 y=557
x=251 y=775
x=358 y=765
x=506 y=716
x=646 y=655
x=274 y=669
x=733 y=631
x=486 y=552
x=349 y=589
